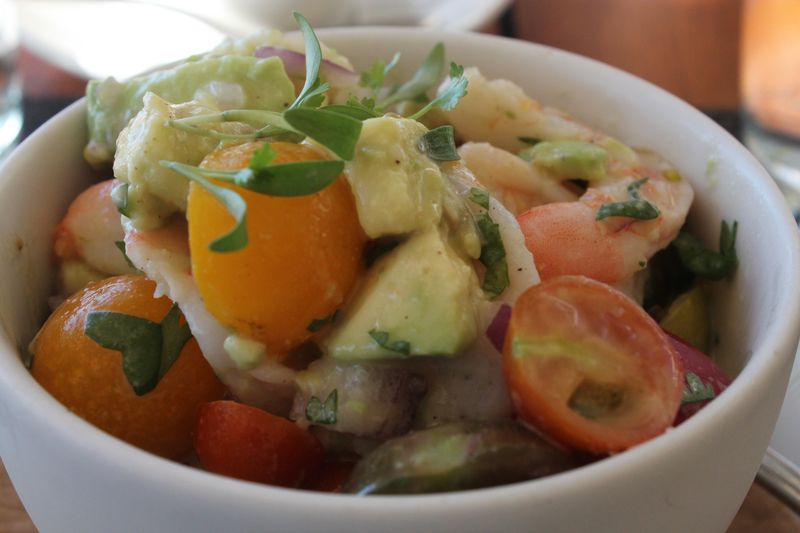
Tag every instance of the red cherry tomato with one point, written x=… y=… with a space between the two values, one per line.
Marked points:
x=244 y=442
x=697 y=363
x=589 y=367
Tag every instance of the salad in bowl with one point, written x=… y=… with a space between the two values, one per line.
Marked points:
x=399 y=279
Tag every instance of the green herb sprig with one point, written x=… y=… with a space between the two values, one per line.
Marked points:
x=439 y=144
x=319 y=412
x=695 y=390
x=319 y=323
x=493 y=251
x=382 y=339
x=148 y=349
x=493 y=256
x=636 y=207
x=448 y=99
x=708 y=263
x=262 y=176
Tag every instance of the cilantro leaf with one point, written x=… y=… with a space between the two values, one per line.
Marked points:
x=449 y=97
x=263 y=157
x=425 y=77
x=121 y=247
x=148 y=349
x=375 y=76
x=707 y=263
x=318 y=412
x=382 y=339
x=119 y=195
x=493 y=256
x=639 y=209
x=636 y=207
x=319 y=323
x=479 y=197
x=696 y=390
x=439 y=145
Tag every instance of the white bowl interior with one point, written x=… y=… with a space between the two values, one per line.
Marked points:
x=691 y=478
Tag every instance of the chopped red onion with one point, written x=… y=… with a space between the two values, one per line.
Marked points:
x=497 y=329
x=295 y=65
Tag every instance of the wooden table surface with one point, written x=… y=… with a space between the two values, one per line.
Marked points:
x=46 y=86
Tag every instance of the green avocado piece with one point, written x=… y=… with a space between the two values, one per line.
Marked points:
x=458 y=456
x=569 y=159
x=422 y=298
x=397 y=188
x=247 y=82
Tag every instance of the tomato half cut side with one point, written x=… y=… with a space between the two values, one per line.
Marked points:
x=589 y=367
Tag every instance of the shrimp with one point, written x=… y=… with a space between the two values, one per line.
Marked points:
x=85 y=240
x=567 y=237
x=516 y=183
x=500 y=113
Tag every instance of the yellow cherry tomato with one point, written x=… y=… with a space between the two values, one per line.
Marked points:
x=302 y=259
x=89 y=379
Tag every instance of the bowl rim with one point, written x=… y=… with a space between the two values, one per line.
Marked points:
x=18 y=384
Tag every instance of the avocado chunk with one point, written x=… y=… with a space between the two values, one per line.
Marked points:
x=569 y=159
x=155 y=192
x=420 y=299
x=397 y=188
x=459 y=456
x=222 y=82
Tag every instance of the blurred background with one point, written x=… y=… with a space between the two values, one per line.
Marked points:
x=736 y=60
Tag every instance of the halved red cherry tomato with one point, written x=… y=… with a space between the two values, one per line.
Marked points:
x=697 y=363
x=237 y=440
x=589 y=367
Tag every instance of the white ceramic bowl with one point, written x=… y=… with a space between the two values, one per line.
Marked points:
x=73 y=477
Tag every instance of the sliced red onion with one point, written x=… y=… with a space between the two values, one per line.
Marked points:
x=497 y=329
x=295 y=65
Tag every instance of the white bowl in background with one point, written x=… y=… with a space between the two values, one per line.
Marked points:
x=73 y=477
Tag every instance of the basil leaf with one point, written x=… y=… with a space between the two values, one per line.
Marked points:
x=318 y=412
x=695 y=390
x=298 y=178
x=448 y=99
x=639 y=209
x=173 y=338
x=439 y=145
x=138 y=339
x=319 y=323
x=339 y=133
x=382 y=339
x=493 y=256
x=479 y=197
x=121 y=247
x=707 y=263
x=529 y=140
x=236 y=238
x=313 y=54
x=119 y=195
x=423 y=79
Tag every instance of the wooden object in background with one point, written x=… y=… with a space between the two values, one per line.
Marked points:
x=688 y=47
